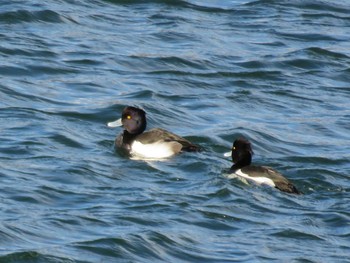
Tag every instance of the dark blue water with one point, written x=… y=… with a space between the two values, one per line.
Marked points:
x=277 y=72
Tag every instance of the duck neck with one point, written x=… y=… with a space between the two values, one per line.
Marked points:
x=127 y=140
x=242 y=162
x=236 y=167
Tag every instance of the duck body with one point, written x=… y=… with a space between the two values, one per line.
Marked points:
x=262 y=175
x=155 y=143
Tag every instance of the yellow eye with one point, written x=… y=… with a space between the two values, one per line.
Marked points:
x=128 y=117
x=233 y=148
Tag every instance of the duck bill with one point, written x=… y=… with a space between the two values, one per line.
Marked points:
x=228 y=154
x=114 y=124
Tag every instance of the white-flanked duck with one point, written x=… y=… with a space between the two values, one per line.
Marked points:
x=241 y=154
x=152 y=144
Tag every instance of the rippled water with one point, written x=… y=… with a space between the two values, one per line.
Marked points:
x=277 y=72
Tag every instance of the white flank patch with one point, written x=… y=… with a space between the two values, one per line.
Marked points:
x=257 y=180
x=157 y=150
x=234 y=176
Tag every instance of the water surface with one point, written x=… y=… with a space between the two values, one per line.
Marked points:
x=276 y=72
